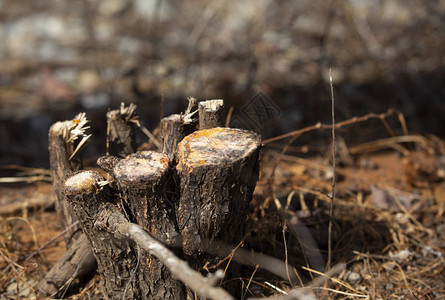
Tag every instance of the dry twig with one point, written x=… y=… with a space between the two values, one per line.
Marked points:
x=179 y=268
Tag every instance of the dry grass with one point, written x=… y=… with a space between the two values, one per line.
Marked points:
x=390 y=236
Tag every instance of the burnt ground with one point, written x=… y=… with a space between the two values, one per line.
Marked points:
x=58 y=59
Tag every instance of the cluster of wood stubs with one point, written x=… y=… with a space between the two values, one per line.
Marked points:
x=192 y=196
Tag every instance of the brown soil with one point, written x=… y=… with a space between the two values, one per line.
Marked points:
x=388 y=225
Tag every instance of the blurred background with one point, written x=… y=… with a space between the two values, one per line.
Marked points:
x=58 y=58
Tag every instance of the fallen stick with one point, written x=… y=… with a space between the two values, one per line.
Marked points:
x=203 y=286
x=9 y=209
x=78 y=261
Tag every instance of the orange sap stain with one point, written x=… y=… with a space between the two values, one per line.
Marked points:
x=204 y=133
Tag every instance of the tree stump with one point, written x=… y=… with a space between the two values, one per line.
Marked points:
x=121 y=133
x=173 y=129
x=218 y=170
x=211 y=113
x=78 y=261
x=195 y=194
x=117 y=258
x=143 y=180
x=61 y=166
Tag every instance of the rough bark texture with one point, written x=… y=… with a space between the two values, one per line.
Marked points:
x=203 y=204
x=203 y=286
x=117 y=258
x=122 y=134
x=173 y=130
x=142 y=179
x=77 y=262
x=211 y=114
x=61 y=167
x=218 y=170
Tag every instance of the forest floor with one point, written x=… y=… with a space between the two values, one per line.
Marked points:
x=388 y=225
x=59 y=58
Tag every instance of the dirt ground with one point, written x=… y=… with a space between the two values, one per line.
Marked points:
x=59 y=58
x=388 y=224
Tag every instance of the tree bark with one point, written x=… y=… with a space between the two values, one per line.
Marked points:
x=78 y=261
x=173 y=129
x=204 y=287
x=218 y=170
x=198 y=203
x=143 y=179
x=116 y=257
x=211 y=114
x=61 y=167
x=122 y=130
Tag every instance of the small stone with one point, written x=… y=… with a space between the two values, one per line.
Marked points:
x=353 y=277
x=440 y=229
x=401 y=255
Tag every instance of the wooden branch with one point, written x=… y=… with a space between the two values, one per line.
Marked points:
x=78 y=261
x=211 y=114
x=204 y=287
x=218 y=170
x=108 y=229
x=252 y=258
x=173 y=129
x=116 y=258
x=32 y=203
x=122 y=130
x=341 y=124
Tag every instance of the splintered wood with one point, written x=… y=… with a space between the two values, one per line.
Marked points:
x=60 y=151
x=78 y=261
x=121 y=133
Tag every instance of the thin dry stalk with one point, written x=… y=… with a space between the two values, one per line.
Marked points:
x=331 y=209
x=388 y=143
x=340 y=124
x=306 y=292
